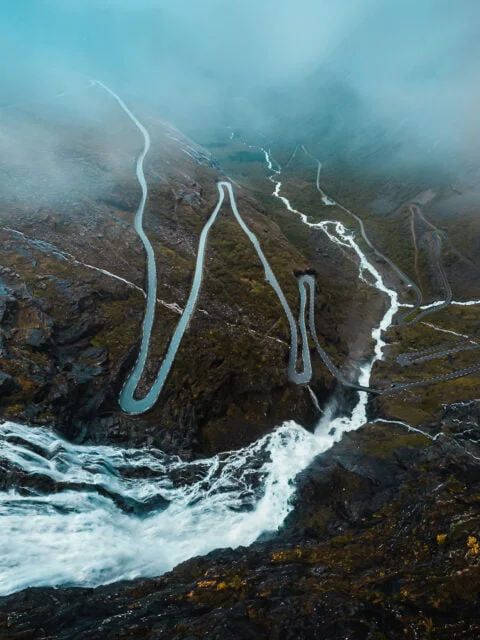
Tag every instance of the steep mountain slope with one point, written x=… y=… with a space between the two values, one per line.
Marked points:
x=73 y=272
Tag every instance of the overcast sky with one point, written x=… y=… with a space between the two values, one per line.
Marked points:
x=413 y=60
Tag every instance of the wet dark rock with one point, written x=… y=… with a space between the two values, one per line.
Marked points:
x=8 y=384
x=68 y=335
x=36 y=339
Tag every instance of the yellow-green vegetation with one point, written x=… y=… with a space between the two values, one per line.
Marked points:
x=119 y=331
x=384 y=446
x=473 y=546
x=395 y=559
x=422 y=404
x=223 y=589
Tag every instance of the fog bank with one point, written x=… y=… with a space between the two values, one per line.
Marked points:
x=313 y=68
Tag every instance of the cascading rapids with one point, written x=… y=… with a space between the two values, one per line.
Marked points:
x=82 y=536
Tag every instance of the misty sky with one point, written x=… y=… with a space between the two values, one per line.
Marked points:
x=413 y=61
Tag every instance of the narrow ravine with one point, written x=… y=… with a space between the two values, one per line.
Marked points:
x=330 y=201
x=402 y=319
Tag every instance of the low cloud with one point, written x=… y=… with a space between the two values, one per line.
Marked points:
x=413 y=66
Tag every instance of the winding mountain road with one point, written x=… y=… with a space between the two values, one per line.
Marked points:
x=128 y=402
x=133 y=405
x=406 y=359
x=437 y=236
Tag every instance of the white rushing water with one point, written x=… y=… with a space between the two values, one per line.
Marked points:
x=79 y=536
x=100 y=521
